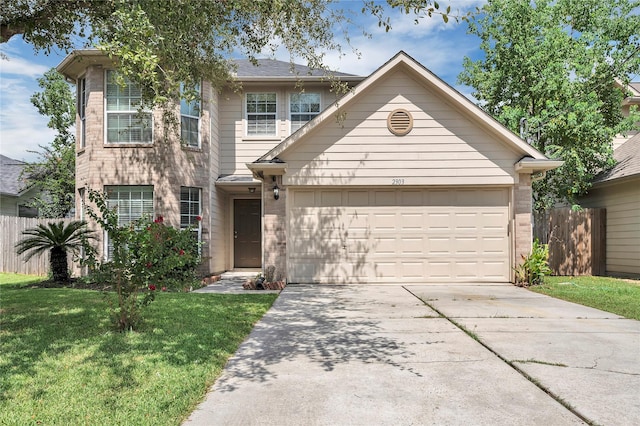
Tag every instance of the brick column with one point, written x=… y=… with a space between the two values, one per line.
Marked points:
x=523 y=212
x=275 y=227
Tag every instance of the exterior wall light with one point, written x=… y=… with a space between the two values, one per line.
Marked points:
x=252 y=190
x=276 y=189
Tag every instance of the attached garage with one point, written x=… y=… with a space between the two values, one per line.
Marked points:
x=403 y=180
x=399 y=235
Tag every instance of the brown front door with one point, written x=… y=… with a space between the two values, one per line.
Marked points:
x=247 y=247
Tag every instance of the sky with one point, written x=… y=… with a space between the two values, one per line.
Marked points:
x=438 y=46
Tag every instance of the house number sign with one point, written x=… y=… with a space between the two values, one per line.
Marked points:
x=397 y=181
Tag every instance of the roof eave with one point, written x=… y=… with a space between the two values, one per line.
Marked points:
x=536 y=165
x=73 y=65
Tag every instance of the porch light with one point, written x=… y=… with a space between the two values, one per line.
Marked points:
x=252 y=190
x=276 y=190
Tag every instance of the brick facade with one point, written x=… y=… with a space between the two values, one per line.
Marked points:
x=523 y=229
x=275 y=226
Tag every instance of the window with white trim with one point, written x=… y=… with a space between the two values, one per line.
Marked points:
x=126 y=123
x=190 y=121
x=261 y=114
x=302 y=108
x=130 y=203
x=191 y=209
x=82 y=110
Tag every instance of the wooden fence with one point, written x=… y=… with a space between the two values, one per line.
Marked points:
x=11 y=228
x=577 y=241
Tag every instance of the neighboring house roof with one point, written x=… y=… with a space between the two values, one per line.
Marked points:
x=10 y=182
x=532 y=161
x=635 y=86
x=627 y=158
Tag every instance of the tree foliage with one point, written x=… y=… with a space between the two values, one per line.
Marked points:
x=161 y=43
x=54 y=173
x=550 y=70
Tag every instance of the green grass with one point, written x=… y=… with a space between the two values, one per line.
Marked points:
x=18 y=280
x=613 y=295
x=60 y=363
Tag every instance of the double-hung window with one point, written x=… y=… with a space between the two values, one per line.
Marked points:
x=302 y=108
x=190 y=121
x=82 y=110
x=130 y=203
x=261 y=114
x=126 y=122
x=191 y=209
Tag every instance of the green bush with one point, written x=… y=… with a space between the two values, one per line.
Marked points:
x=534 y=267
x=147 y=256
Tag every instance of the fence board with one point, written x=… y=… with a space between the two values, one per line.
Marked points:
x=577 y=242
x=11 y=228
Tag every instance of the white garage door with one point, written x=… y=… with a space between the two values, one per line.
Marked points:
x=399 y=235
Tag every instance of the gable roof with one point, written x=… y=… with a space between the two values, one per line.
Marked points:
x=627 y=158
x=10 y=182
x=534 y=161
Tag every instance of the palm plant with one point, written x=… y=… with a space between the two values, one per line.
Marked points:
x=57 y=238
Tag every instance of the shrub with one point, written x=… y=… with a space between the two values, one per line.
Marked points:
x=534 y=267
x=147 y=256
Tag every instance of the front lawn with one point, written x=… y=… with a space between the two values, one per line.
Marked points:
x=614 y=295
x=61 y=363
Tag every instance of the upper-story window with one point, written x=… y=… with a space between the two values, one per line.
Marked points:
x=261 y=114
x=190 y=121
x=82 y=110
x=125 y=122
x=302 y=108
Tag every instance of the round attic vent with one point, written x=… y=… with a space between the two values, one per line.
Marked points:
x=400 y=122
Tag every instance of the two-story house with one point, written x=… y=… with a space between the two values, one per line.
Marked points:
x=402 y=179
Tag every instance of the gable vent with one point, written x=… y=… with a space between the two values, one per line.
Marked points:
x=400 y=122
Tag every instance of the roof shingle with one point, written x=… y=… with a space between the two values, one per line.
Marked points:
x=10 y=182
x=627 y=158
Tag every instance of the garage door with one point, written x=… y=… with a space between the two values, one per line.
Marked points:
x=399 y=235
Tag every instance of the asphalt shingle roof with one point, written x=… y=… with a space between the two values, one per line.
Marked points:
x=10 y=182
x=274 y=68
x=627 y=158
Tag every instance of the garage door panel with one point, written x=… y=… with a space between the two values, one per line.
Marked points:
x=364 y=237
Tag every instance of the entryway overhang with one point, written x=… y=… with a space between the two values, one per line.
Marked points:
x=260 y=169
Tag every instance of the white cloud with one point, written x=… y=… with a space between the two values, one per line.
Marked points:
x=19 y=66
x=22 y=128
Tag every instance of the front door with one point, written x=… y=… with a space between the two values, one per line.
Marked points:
x=247 y=247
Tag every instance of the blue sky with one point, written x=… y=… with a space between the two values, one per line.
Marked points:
x=438 y=46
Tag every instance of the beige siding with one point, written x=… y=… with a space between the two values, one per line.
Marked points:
x=622 y=202
x=444 y=147
x=236 y=148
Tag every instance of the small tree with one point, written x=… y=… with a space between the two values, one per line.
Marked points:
x=54 y=172
x=58 y=239
x=146 y=256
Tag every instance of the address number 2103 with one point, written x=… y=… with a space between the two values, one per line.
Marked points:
x=397 y=181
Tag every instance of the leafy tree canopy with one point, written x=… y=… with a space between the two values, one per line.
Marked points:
x=161 y=43
x=553 y=68
x=54 y=172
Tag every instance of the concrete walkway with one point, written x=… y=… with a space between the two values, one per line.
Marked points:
x=384 y=355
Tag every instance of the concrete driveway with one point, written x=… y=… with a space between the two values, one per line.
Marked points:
x=403 y=355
